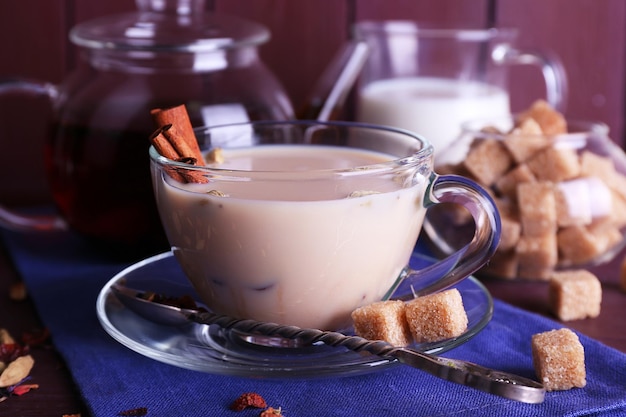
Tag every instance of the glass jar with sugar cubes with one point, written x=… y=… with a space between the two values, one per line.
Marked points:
x=560 y=187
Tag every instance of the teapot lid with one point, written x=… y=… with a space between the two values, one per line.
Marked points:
x=169 y=26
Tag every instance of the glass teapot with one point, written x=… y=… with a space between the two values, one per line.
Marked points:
x=169 y=52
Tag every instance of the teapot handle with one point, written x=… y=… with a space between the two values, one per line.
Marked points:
x=9 y=218
x=550 y=65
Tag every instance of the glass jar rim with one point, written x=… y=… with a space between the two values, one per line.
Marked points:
x=505 y=124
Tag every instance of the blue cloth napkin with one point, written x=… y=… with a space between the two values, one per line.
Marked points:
x=64 y=277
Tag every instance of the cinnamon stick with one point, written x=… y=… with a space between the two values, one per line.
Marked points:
x=165 y=148
x=179 y=118
x=175 y=140
x=163 y=145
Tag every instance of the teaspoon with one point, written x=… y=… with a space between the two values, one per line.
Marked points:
x=495 y=382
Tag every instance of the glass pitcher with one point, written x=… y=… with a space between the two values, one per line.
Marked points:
x=431 y=80
x=169 y=52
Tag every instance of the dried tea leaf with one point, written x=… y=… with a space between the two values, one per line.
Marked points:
x=17 y=291
x=6 y=338
x=217 y=193
x=272 y=412
x=362 y=193
x=215 y=156
x=139 y=411
x=24 y=388
x=11 y=351
x=248 y=399
x=16 y=371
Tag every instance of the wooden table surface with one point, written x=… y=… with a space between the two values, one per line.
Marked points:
x=58 y=396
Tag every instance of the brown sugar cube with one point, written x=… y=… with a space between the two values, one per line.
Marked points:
x=584 y=199
x=436 y=317
x=510 y=225
x=506 y=206
x=602 y=167
x=551 y=121
x=606 y=232
x=503 y=265
x=579 y=244
x=573 y=206
x=618 y=210
x=575 y=295
x=454 y=169
x=537 y=256
x=537 y=206
x=507 y=184
x=559 y=360
x=618 y=184
x=383 y=320
x=510 y=233
x=525 y=140
x=487 y=160
x=594 y=165
x=554 y=164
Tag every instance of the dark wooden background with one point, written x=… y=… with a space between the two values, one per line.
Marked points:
x=588 y=35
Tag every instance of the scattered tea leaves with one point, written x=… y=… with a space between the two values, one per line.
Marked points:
x=133 y=412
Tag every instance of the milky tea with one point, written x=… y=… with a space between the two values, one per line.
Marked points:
x=305 y=250
x=303 y=222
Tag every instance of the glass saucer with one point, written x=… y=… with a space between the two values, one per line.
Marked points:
x=218 y=351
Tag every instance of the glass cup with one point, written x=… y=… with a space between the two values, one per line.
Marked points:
x=302 y=222
x=431 y=80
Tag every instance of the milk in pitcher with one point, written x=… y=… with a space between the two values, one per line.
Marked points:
x=432 y=107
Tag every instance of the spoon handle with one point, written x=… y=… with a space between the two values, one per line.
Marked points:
x=461 y=372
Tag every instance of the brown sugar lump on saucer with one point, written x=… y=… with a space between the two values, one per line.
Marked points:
x=383 y=320
x=559 y=360
x=575 y=295
x=436 y=317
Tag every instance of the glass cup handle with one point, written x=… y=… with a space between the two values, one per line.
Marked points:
x=11 y=219
x=551 y=68
x=467 y=260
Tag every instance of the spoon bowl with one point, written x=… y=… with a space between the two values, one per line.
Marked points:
x=164 y=314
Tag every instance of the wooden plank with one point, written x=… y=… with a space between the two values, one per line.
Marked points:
x=87 y=10
x=589 y=38
x=442 y=13
x=305 y=37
